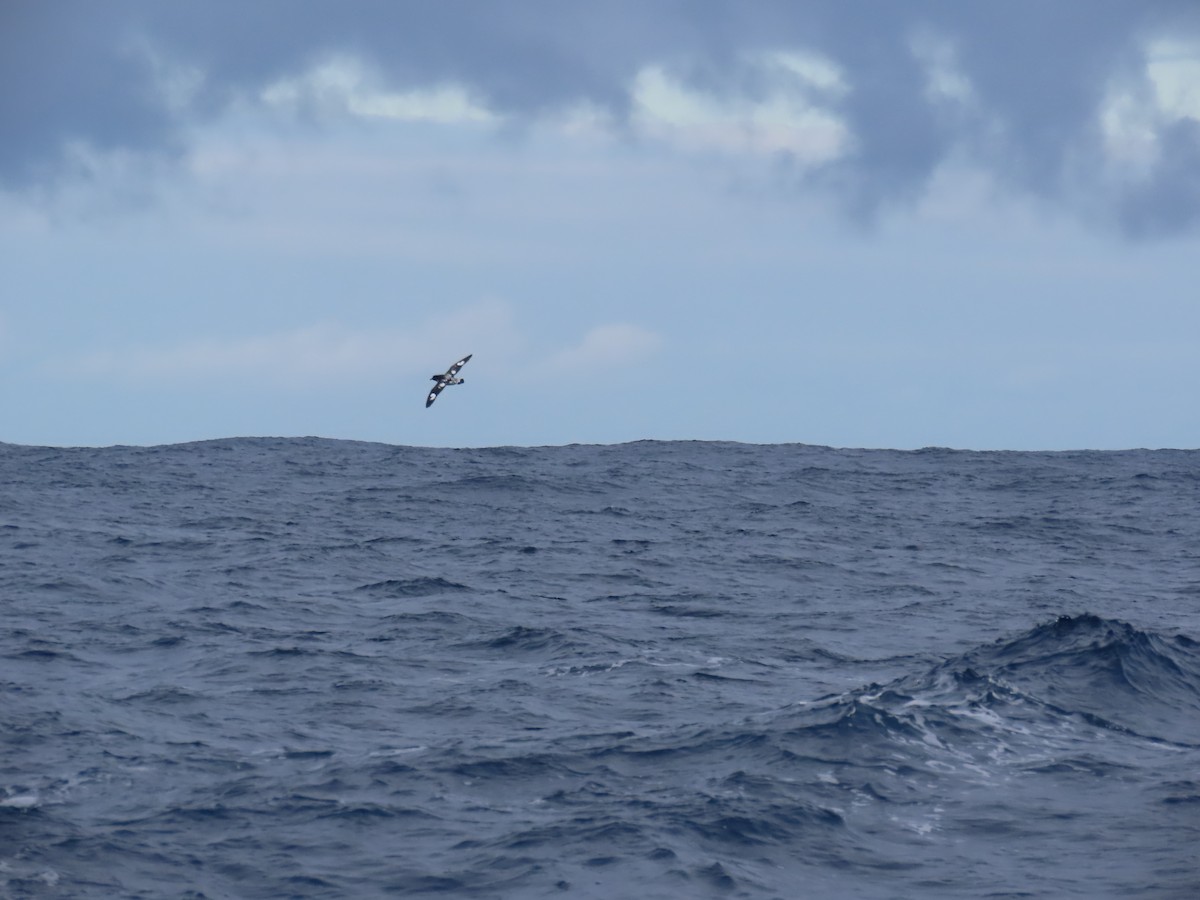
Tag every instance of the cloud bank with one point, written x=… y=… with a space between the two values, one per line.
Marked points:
x=1089 y=106
x=322 y=353
x=605 y=347
x=333 y=353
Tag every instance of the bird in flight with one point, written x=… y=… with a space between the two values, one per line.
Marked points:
x=447 y=378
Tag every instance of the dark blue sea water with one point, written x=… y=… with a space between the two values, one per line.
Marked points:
x=322 y=669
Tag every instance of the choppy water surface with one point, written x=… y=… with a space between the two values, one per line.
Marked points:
x=308 y=668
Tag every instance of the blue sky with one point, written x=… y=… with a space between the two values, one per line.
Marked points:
x=857 y=224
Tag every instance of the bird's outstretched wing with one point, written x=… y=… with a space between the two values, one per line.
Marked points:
x=453 y=370
x=433 y=394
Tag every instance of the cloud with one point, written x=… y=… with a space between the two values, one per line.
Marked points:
x=788 y=116
x=1027 y=90
x=314 y=354
x=344 y=85
x=605 y=347
x=329 y=353
x=72 y=79
x=1151 y=141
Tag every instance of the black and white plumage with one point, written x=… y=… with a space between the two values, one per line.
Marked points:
x=447 y=378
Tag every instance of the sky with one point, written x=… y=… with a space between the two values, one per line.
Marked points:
x=838 y=222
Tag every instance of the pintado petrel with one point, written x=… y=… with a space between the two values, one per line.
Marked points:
x=445 y=379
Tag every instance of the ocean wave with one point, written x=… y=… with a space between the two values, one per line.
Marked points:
x=411 y=587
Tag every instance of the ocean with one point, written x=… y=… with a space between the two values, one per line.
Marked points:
x=264 y=668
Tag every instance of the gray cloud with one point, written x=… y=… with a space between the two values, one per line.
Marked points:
x=78 y=72
x=68 y=80
x=1169 y=201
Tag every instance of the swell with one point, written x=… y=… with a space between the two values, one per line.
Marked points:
x=1103 y=671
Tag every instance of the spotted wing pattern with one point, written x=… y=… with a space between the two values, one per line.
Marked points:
x=443 y=380
x=437 y=389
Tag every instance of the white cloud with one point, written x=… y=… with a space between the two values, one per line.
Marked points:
x=785 y=120
x=945 y=80
x=1130 y=128
x=1134 y=113
x=1174 y=70
x=445 y=104
x=344 y=84
x=606 y=346
x=315 y=354
x=815 y=71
